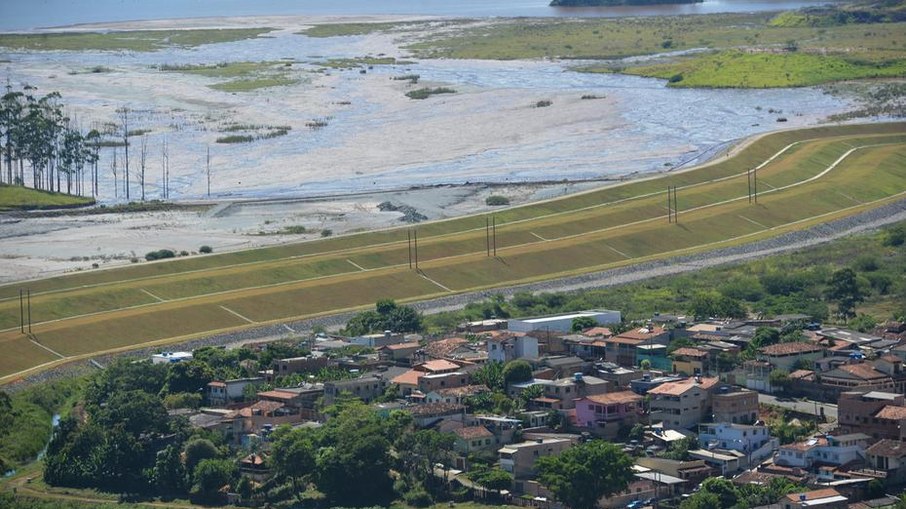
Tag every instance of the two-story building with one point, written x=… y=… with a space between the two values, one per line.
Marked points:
x=734 y=405
x=683 y=404
x=691 y=361
x=753 y=441
x=508 y=347
x=888 y=459
x=471 y=439
x=605 y=414
x=875 y=413
x=519 y=459
x=825 y=450
x=365 y=388
x=224 y=392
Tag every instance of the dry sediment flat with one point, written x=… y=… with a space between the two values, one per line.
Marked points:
x=805 y=177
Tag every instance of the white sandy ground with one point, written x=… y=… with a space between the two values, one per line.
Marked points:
x=393 y=144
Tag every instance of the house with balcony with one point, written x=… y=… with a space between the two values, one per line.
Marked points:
x=887 y=460
x=683 y=404
x=691 y=361
x=755 y=442
x=833 y=450
x=605 y=414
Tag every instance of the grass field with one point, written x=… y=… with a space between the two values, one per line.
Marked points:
x=739 y=69
x=136 y=40
x=804 y=177
x=242 y=76
x=22 y=198
x=824 y=53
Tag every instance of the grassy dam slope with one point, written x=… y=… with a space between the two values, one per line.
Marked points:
x=804 y=177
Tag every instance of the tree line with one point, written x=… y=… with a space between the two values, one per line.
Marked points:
x=43 y=148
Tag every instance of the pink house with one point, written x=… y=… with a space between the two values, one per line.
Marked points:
x=606 y=413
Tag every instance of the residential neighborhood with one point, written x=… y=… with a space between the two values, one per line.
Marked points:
x=509 y=396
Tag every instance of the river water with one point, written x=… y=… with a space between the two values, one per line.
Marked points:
x=25 y=15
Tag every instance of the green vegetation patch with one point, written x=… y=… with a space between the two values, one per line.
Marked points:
x=135 y=40
x=243 y=76
x=424 y=93
x=347 y=29
x=766 y=70
x=250 y=84
x=350 y=63
x=21 y=198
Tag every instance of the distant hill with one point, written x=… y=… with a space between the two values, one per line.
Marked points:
x=614 y=3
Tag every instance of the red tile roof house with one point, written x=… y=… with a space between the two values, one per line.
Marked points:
x=605 y=414
x=785 y=355
x=887 y=459
x=828 y=498
x=473 y=438
x=683 y=404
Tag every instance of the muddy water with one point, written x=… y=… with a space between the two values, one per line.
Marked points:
x=641 y=126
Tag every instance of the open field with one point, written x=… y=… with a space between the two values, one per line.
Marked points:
x=21 y=198
x=135 y=40
x=804 y=177
x=820 y=53
x=761 y=70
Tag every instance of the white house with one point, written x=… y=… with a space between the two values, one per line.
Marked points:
x=754 y=441
x=505 y=348
x=167 y=357
x=563 y=322
x=826 y=449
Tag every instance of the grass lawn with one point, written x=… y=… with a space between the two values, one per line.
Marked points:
x=250 y=84
x=22 y=198
x=739 y=69
x=348 y=29
x=136 y=40
x=605 y=228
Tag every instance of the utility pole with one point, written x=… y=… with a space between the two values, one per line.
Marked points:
x=165 y=169
x=487 y=234
x=415 y=235
x=124 y=112
x=669 y=206
x=675 y=207
x=755 y=184
x=142 y=155
x=28 y=297
x=495 y=235
x=21 y=311
x=209 y=171
x=749 y=181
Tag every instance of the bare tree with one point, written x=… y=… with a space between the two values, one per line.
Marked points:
x=124 y=118
x=141 y=159
x=113 y=168
x=165 y=169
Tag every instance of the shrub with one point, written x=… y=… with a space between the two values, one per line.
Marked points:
x=183 y=253
x=326 y=232
x=205 y=249
x=235 y=138
x=496 y=200
x=418 y=497
x=676 y=78
x=424 y=93
x=544 y=103
x=160 y=254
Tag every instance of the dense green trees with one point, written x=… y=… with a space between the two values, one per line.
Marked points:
x=34 y=129
x=584 y=473
x=388 y=315
x=517 y=371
